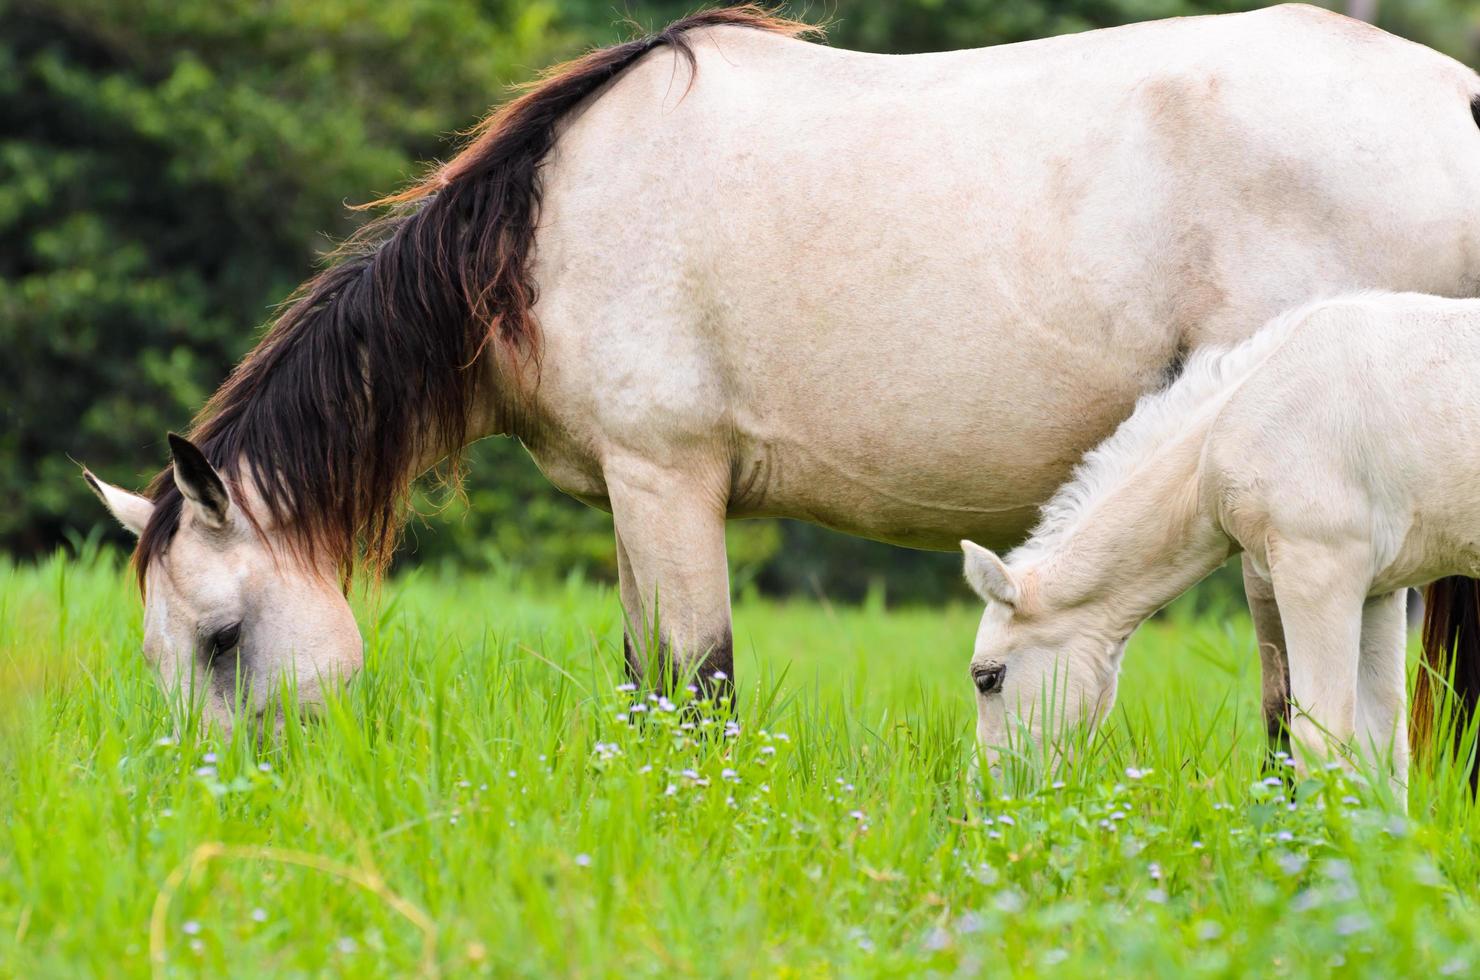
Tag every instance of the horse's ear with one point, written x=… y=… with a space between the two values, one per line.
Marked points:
x=199 y=483
x=130 y=509
x=988 y=575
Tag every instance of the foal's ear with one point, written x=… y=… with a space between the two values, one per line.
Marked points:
x=129 y=509
x=199 y=483
x=988 y=575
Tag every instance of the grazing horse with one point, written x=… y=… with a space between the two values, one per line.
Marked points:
x=1335 y=449
x=721 y=272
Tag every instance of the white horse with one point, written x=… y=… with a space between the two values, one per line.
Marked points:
x=1336 y=449
x=722 y=273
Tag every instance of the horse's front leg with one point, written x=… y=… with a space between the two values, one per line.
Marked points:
x=675 y=582
x=1382 y=693
x=1321 y=592
x=1269 y=633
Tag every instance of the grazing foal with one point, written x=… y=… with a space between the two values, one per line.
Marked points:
x=1337 y=448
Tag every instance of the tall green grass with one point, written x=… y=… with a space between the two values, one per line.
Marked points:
x=482 y=802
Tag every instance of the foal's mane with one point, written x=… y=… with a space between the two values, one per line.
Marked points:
x=372 y=366
x=1159 y=416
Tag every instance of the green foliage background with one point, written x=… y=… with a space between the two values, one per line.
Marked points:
x=171 y=169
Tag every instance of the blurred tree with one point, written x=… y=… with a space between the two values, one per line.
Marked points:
x=168 y=171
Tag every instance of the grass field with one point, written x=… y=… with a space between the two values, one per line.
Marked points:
x=477 y=805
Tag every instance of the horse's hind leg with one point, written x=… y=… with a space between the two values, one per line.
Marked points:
x=1382 y=724
x=674 y=579
x=1269 y=632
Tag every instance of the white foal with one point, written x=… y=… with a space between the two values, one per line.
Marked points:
x=1337 y=448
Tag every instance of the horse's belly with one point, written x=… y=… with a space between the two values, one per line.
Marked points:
x=927 y=461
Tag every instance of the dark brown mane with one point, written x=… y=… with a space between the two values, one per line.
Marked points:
x=371 y=369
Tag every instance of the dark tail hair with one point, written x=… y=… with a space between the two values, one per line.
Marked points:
x=1446 y=691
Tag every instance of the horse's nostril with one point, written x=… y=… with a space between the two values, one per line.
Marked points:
x=988 y=677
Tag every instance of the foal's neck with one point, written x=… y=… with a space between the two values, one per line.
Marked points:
x=1139 y=545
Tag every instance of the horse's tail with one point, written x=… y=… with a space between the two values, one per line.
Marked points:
x=1446 y=691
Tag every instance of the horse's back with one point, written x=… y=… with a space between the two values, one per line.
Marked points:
x=1364 y=423
x=909 y=292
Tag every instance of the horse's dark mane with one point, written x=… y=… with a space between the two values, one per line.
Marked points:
x=373 y=366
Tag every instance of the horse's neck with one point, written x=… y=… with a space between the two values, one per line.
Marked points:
x=1143 y=543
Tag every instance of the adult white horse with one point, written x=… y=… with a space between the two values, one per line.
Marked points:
x=721 y=273
x=1335 y=449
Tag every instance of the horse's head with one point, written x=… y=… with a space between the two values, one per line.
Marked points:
x=228 y=611
x=1037 y=668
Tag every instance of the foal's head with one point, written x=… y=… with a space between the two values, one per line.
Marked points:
x=228 y=616
x=1040 y=669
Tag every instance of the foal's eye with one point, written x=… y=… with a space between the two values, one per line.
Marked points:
x=226 y=639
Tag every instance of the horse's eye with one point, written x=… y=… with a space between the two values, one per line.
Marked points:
x=988 y=677
x=226 y=639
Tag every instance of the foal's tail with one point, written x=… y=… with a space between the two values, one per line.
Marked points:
x=1446 y=691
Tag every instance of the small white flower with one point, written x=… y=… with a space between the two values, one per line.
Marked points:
x=720 y=675
x=206 y=772
x=638 y=708
x=191 y=927
x=857 y=814
x=259 y=915
x=1007 y=820
x=937 y=939
x=768 y=750
x=672 y=790
x=264 y=767
x=583 y=860
x=1059 y=784
x=208 y=758
x=1273 y=781
x=627 y=687
x=347 y=945
x=165 y=742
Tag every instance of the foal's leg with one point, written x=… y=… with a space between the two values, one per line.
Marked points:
x=1269 y=632
x=1382 y=723
x=671 y=564
x=1321 y=591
